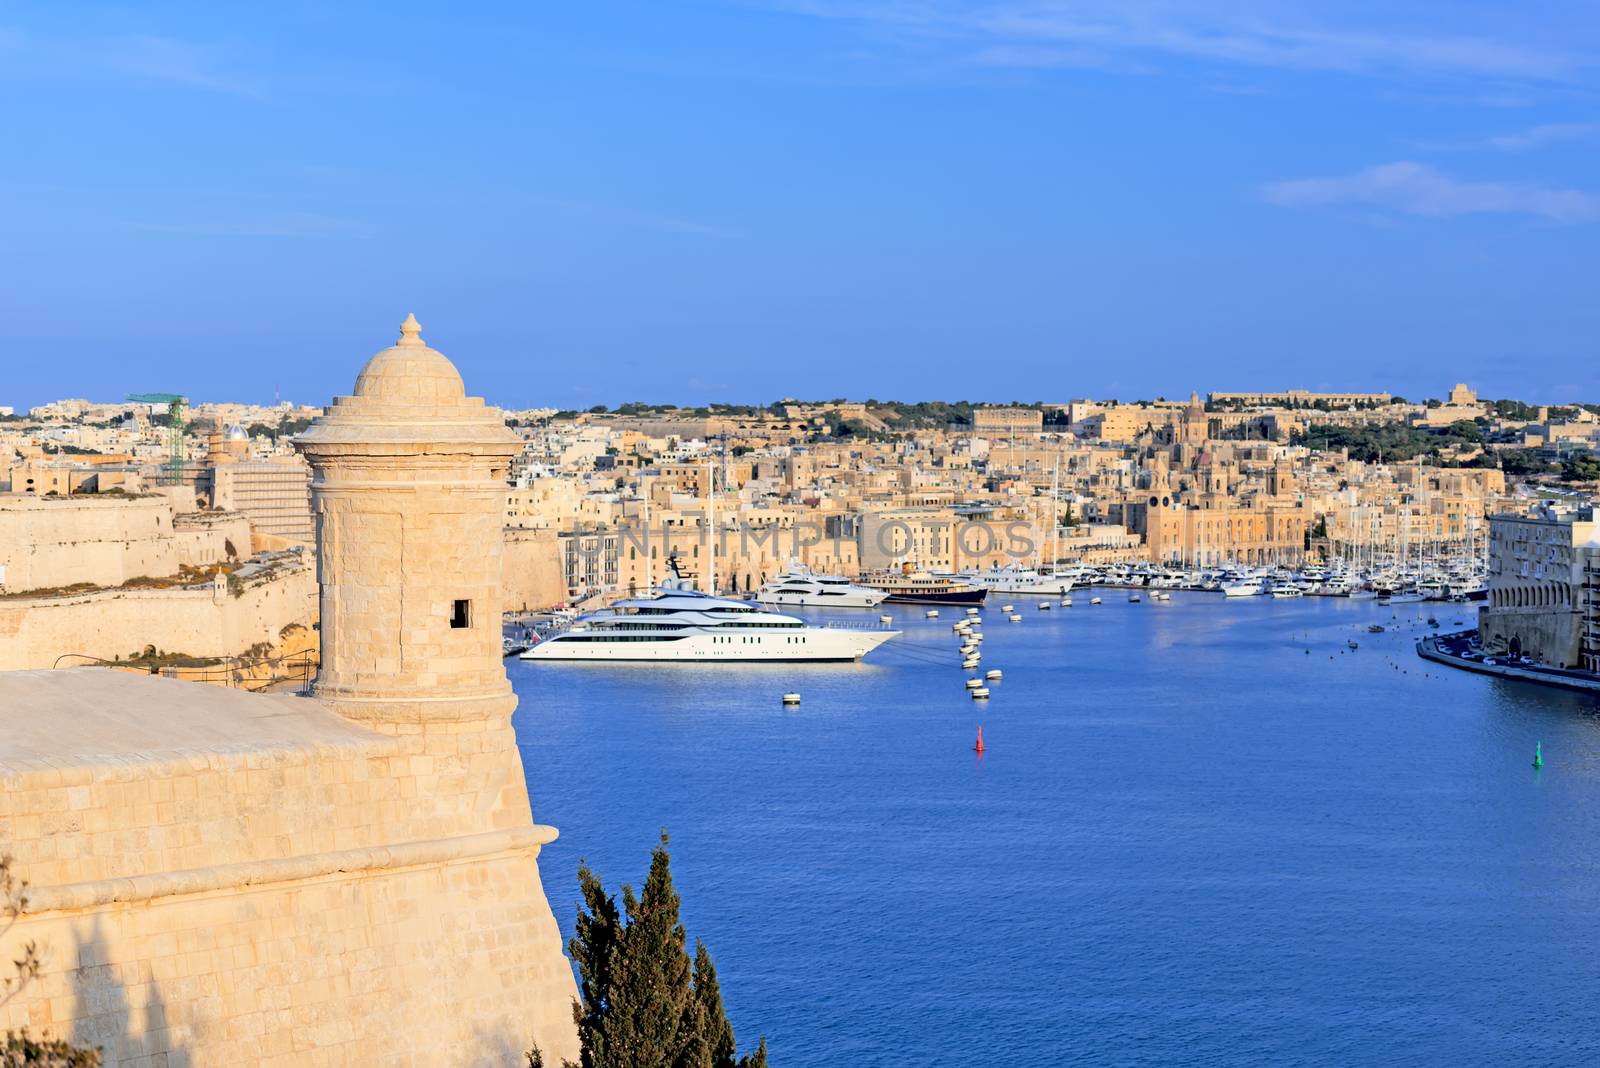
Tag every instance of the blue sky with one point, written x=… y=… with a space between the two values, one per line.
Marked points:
x=597 y=201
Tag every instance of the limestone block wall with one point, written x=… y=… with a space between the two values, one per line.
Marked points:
x=101 y=539
x=389 y=578
x=1553 y=635
x=206 y=537
x=168 y=812
x=433 y=953
x=531 y=576
x=201 y=622
x=247 y=879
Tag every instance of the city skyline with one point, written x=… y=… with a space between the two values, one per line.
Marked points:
x=1004 y=202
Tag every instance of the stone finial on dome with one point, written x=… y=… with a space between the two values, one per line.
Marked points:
x=410 y=331
x=409 y=372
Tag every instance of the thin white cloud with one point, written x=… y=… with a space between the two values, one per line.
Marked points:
x=283 y=225
x=1415 y=189
x=1234 y=32
x=1551 y=133
x=141 y=57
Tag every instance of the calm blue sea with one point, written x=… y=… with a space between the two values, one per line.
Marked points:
x=1189 y=841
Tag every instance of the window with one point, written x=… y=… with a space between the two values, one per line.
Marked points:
x=460 y=615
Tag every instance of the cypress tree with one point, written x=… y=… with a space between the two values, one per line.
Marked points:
x=650 y=986
x=595 y=948
x=643 y=1004
x=710 y=1036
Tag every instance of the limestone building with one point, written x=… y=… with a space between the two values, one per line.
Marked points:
x=1544 y=588
x=226 y=878
x=1002 y=420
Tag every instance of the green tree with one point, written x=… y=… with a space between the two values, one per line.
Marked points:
x=643 y=1003
x=1523 y=462
x=1580 y=468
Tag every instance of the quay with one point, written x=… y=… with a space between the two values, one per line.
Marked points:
x=1461 y=650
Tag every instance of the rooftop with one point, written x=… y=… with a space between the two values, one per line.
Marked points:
x=72 y=717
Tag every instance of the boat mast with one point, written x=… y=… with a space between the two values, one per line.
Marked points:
x=1055 y=517
x=711 y=524
x=649 y=571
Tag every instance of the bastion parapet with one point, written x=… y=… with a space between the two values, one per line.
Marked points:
x=224 y=878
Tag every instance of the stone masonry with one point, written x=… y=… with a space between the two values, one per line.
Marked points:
x=226 y=878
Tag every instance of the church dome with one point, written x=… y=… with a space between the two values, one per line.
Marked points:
x=236 y=433
x=409 y=372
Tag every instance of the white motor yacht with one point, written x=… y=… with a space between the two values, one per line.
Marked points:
x=1014 y=579
x=800 y=586
x=686 y=625
x=1245 y=587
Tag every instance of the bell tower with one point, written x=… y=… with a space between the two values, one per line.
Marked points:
x=408 y=489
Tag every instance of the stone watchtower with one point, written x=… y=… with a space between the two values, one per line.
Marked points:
x=408 y=488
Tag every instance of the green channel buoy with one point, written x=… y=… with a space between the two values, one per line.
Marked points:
x=1538 y=754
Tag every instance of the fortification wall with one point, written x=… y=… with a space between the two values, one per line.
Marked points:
x=105 y=540
x=531 y=576
x=208 y=621
x=211 y=537
x=252 y=880
x=434 y=953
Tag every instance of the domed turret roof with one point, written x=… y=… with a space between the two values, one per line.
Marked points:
x=409 y=400
x=409 y=372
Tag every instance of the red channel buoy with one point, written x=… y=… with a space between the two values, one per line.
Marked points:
x=979 y=747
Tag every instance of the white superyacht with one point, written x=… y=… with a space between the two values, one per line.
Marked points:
x=799 y=585
x=684 y=625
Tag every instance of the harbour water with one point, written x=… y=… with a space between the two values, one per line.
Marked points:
x=1189 y=840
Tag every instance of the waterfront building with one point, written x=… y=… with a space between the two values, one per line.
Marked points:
x=1544 y=587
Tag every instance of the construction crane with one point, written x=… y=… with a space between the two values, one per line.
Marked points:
x=175 y=424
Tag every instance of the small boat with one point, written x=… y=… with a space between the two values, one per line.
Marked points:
x=1133 y=598
x=992 y=676
x=1094 y=600
x=886 y=620
x=1044 y=606
x=970 y=662
x=1352 y=643
x=980 y=694
x=791 y=698
x=972 y=611
x=1066 y=602
x=1014 y=618
x=974 y=684
x=1008 y=609
x=933 y=613
x=1375 y=629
